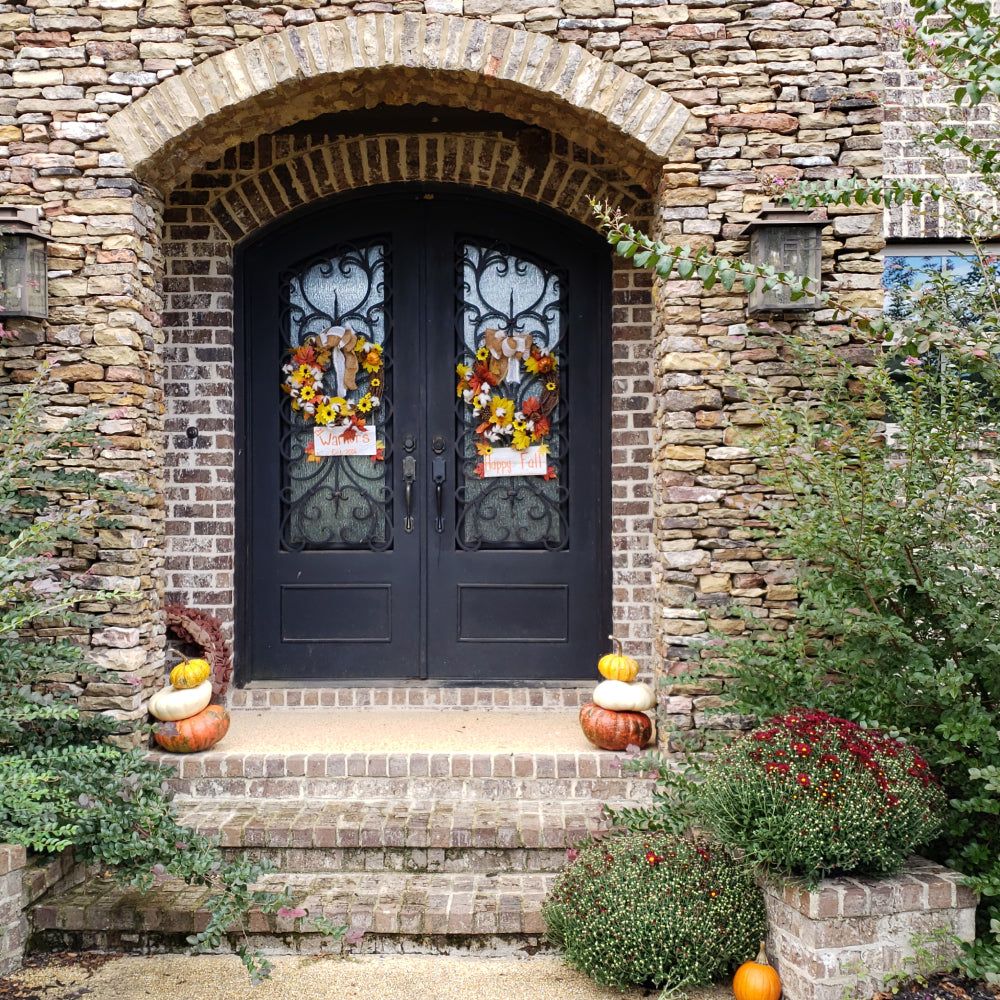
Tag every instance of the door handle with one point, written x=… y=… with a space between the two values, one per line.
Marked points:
x=409 y=478
x=438 y=473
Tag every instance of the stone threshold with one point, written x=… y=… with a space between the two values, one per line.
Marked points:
x=417 y=695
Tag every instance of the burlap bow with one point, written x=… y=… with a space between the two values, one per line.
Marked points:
x=506 y=354
x=342 y=341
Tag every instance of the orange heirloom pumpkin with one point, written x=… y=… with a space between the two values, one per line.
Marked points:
x=200 y=732
x=757 y=980
x=617 y=666
x=612 y=730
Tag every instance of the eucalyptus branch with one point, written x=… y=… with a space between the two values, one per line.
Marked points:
x=700 y=264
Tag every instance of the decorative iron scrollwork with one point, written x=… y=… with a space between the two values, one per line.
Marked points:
x=506 y=292
x=337 y=502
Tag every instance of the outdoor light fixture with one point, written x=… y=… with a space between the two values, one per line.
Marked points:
x=24 y=289
x=790 y=241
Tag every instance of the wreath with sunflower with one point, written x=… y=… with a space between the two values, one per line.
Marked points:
x=353 y=359
x=503 y=422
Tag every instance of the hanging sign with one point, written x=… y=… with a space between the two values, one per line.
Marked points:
x=339 y=440
x=510 y=462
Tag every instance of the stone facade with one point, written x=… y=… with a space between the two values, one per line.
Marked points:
x=851 y=933
x=156 y=134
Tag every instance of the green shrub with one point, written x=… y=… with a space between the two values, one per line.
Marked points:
x=810 y=794
x=655 y=909
x=66 y=781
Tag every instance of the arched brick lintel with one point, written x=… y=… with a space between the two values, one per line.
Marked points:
x=402 y=59
x=484 y=161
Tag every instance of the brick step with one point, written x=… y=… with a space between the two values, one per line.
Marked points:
x=415 y=695
x=396 y=911
x=399 y=835
x=595 y=776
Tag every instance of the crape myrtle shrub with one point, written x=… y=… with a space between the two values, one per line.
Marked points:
x=657 y=909
x=811 y=794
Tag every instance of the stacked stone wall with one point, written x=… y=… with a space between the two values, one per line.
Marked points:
x=781 y=90
x=786 y=89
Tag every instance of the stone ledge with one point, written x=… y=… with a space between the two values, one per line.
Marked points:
x=852 y=932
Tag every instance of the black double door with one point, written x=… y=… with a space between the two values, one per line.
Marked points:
x=424 y=456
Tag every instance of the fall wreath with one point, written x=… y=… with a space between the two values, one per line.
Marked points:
x=352 y=358
x=204 y=631
x=503 y=421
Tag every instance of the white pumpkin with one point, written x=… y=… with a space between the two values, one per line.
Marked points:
x=621 y=697
x=172 y=704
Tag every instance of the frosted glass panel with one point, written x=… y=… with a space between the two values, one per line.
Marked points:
x=511 y=370
x=336 y=341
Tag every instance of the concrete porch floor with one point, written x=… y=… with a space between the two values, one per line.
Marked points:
x=404 y=731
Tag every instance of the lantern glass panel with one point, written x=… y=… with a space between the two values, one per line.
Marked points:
x=23 y=276
x=794 y=250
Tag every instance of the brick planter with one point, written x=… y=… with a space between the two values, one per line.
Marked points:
x=852 y=932
x=13 y=925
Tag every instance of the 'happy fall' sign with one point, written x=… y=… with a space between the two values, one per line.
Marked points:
x=508 y=462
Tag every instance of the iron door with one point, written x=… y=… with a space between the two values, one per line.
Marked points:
x=424 y=457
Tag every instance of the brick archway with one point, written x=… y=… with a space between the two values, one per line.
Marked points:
x=406 y=59
x=274 y=181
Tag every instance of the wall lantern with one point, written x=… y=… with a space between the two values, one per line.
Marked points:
x=790 y=241
x=24 y=269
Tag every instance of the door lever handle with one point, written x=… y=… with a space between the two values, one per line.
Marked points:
x=409 y=478
x=438 y=474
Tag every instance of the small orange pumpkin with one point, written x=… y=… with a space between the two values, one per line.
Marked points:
x=199 y=732
x=757 y=980
x=617 y=666
x=611 y=730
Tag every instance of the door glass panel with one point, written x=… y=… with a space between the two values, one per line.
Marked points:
x=336 y=371
x=511 y=439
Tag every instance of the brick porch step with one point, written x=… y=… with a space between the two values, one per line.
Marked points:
x=421 y=696
x=399 y=835
x=488 y=914
x=586 y=775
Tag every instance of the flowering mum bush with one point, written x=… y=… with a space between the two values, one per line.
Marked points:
x=810 y=794
x=655 y=908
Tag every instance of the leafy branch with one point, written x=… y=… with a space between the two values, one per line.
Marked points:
x=700 y=264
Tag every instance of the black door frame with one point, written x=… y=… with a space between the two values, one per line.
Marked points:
x=242 y=389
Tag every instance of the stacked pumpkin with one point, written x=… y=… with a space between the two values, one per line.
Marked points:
x=188 y=722
x=616 y=718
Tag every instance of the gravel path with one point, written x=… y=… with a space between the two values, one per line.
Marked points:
x=395 y=977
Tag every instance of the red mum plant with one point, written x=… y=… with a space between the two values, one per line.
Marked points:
x=810 y=794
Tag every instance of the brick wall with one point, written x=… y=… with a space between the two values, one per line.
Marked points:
x=914 y=97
